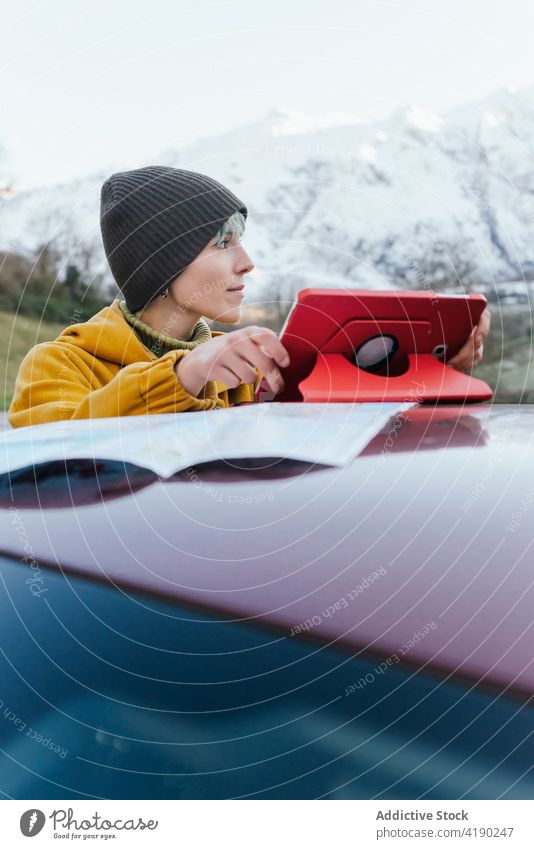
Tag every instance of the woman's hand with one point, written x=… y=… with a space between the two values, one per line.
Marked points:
x=232 y=358
x=471 y=353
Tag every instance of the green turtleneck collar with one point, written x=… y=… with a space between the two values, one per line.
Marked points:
x=159 y=343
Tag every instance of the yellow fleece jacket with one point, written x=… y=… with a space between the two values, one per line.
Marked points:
x=101 y=368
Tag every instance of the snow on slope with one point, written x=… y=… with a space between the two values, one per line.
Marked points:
x=343 y=201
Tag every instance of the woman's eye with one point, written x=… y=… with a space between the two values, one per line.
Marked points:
x=229 y=239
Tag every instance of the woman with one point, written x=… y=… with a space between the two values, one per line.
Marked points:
x=172 y=240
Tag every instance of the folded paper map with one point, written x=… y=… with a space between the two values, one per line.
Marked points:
x=329 y=433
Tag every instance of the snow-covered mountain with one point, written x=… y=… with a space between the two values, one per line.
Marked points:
x=342 y=201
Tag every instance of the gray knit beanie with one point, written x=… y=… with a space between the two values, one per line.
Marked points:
x=155 y=221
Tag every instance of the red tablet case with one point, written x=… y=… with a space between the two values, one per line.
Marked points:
x=326 y=326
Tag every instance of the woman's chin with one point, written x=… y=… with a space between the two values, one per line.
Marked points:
x=229 y=316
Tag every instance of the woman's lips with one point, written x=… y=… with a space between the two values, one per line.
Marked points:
x=238 y=290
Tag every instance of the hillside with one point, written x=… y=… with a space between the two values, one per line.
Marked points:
x=17 y=336
x=508 y=365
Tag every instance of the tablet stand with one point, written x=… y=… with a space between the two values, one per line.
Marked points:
x=335 y=378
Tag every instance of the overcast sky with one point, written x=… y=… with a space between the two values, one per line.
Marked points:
x=111 y=83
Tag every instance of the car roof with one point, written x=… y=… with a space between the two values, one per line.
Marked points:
x=419 y=551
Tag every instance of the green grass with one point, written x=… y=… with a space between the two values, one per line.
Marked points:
x=17 y=336
x=511 y=376
x=508 y=362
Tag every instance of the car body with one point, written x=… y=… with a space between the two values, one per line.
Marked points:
x=274 y=628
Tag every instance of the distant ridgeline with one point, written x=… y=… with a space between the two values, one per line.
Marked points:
x=40 y=285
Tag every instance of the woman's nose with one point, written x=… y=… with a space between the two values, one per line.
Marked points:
x=245 y=263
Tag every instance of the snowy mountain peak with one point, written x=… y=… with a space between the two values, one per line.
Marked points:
x=423 y=119
x=405 y=202
x=286 y=122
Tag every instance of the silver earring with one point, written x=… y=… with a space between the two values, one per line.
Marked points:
x=165 y=293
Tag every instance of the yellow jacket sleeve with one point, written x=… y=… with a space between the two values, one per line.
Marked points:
x=47 y=389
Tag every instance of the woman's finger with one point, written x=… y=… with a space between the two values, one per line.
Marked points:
x=228 y=377
x=257 y=355
x=242 y=367
x=483 y=326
